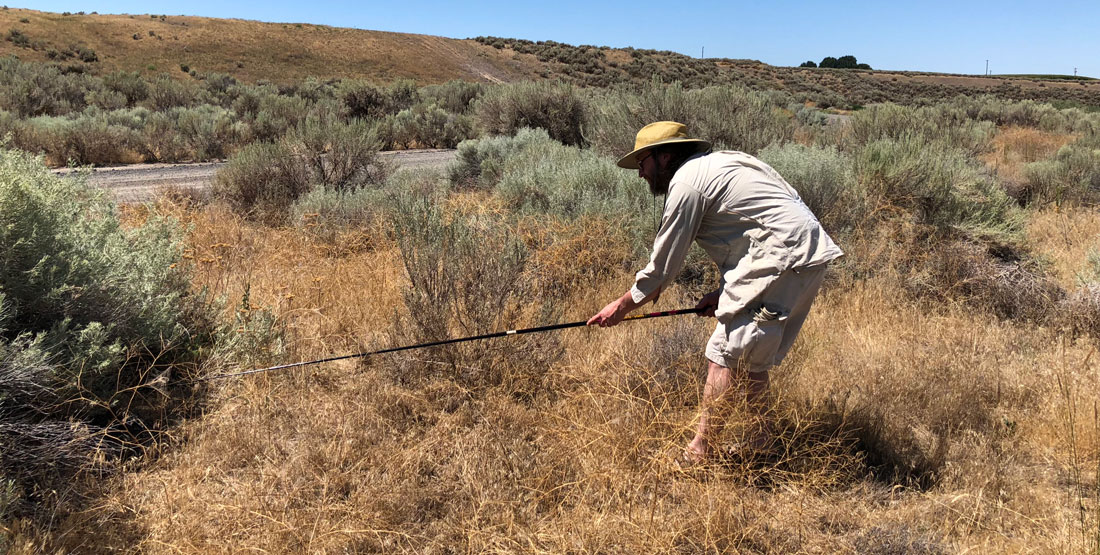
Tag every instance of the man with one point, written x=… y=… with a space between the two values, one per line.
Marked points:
x=770 y=250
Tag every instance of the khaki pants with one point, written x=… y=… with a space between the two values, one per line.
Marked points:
x=758 y=337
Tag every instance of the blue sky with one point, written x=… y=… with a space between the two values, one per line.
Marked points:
x=951 y=37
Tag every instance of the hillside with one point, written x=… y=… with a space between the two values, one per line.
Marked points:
x=285 y=53
x=289 y=52
x=250 y=50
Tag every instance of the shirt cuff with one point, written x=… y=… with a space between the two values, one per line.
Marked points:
x=637 y=294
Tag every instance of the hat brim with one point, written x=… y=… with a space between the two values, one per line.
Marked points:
x=630 y=161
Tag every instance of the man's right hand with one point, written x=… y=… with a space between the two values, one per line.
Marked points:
x=709 y=302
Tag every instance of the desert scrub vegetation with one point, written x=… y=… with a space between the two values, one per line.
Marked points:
x=537 y=178
x=600 y=67
x=123 y=117
x=1071 y=175
x=98 y=330
x=931 y=123
x=265 y=179
x=936 y=401
x=211 y=115
x=826 y=180
x=907 y=423
x=556 y=107
x=731 y=117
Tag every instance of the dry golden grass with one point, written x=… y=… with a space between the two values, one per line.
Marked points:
x=903 y=429
x=1013 y=147
x=254 y=50
x=1065 y=237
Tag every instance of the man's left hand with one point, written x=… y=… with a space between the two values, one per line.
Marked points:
x=709 y=302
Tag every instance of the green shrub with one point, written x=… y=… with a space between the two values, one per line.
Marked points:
x=326 y=212
x=556 y=107
x=534 y=175
x=1073 y=175
x=161 y=141
x=938 y=185
x=203 y=132
x=456 y=96
x=265 y=179
x=208 y=131
x=366 y=101
x=466 y=277
x=85 y=54
x=275 y=115
x=91 y=315
x=339 y=156
x=129 y=84
x=16 y=37
x=28 y=89
x=823 y=177
x=313 y=90
x=165 y=93
x=552 y=178
x=424 y=126
x=1092 y=268
x=8 y=123
x=262 y=180
x=9 y=496
x=941 y=124
x=90 y=138
x=105 y=99
x=480 y=163
x=731 y=117
x=253 y=339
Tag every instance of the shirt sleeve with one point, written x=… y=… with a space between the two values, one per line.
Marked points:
x=680 y=222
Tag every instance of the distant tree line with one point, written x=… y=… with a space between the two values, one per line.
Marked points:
x=843 y=62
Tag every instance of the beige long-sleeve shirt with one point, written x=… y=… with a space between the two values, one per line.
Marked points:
x=749 y=220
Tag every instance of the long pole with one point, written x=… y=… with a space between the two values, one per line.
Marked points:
x=450 y=341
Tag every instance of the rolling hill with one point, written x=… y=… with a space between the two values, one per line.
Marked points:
x=288 y=52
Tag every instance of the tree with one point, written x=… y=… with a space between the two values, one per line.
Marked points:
x=844 y=62
x=808 y=63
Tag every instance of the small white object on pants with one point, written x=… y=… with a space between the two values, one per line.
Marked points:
x=760 y=336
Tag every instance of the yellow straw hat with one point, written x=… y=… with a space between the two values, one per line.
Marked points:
x=657 y=134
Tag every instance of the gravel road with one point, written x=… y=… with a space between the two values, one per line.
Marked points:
x=142 y=182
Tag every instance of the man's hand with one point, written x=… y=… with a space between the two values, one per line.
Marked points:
x=611 y=315
x=709 y=302
x=615 y=311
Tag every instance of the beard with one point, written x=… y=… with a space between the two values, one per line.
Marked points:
x=661 y=180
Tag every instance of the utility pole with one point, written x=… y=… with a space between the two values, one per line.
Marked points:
x=1075 y=72
x=987 y=67
x=701 y=51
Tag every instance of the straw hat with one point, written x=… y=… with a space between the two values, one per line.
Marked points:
x=657 y=134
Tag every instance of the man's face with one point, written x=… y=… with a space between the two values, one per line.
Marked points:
x=654 y=168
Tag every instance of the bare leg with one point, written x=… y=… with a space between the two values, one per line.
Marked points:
x=715 y=405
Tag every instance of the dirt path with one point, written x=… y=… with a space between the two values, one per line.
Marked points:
x=142 y=182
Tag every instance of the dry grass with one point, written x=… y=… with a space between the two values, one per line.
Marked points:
x=1064 y=237
x=903 y=430
x=1014 y=147
x=254 y=50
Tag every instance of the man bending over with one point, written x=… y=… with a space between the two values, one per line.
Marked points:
x=770 y=250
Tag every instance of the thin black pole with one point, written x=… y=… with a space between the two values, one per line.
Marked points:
x=450 y=341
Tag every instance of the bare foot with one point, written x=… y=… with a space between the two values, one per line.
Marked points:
x=694 y=454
